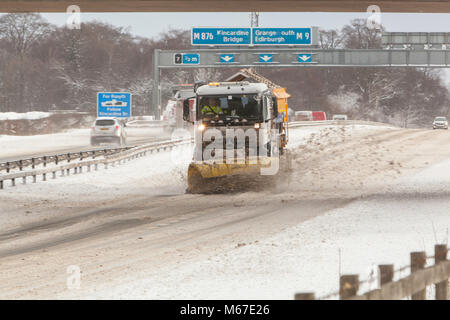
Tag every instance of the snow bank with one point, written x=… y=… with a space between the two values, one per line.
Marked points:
x=33 y=115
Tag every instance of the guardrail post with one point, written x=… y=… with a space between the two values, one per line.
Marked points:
x=418 y=261
x=33 y=164
x=81 y=169
x=54 y=174
x=386 y=273
x=20 y=165
x=440 y=255
x=305 y=296
x=34 y=178
x=88 y=168
x=56 y=160
x=13 y=182
x=75 y=170
x=96 y=167
x=81 y=155
x=45 y=160
x=68 y=157
x=44 y=177
x=68 y=172
x=7 y=167
x=348 y=286
x=1 y=184
x=24 y=180
x=62 y=173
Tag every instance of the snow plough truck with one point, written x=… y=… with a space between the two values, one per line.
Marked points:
x=241 y=133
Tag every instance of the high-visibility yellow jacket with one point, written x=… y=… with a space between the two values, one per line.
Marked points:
x=212 y=109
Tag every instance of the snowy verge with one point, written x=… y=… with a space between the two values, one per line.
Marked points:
x=32 y=115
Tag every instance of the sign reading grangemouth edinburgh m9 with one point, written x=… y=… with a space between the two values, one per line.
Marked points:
x=282 y=36
x=114 y=104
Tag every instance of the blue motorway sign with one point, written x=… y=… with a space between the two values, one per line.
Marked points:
x=265 y=57
x=221 y=36
x=191 y=58
x=186 y=58
x=114 y=104
x=304 y=57
x=281 y=36
x=227 y=58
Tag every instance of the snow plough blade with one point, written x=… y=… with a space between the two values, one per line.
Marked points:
x=204 y=177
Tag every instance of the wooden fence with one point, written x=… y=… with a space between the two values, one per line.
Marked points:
x=413 y=286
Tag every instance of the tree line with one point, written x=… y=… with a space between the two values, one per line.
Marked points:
x=44 y=67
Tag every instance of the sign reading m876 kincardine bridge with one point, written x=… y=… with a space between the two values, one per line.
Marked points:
x=224 y=36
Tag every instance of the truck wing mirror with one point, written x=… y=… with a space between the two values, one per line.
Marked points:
x=186 y=111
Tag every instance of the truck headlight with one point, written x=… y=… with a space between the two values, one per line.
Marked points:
x=257 y=125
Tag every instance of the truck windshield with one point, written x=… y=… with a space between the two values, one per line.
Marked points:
x=246 y=106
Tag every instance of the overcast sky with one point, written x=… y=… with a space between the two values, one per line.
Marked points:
x=152 y=24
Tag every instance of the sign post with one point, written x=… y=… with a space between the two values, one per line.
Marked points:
x=114 y=104
x=282 y=36
x=201 y=36
x=223 y=36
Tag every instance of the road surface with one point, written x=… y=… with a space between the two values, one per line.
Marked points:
x=134 y=233
x=20 y=147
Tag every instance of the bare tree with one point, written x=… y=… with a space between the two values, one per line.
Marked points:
x=330 y=39
x=22 y=30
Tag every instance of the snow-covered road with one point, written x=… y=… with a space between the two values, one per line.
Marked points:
x=16 y=147
x=371 y=193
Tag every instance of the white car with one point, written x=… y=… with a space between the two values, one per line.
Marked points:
x=108 y=130
x=340 y=117
x=440 y=123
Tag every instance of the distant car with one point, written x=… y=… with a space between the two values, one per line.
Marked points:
x=108 y=130
x=340 y=117
x=303 y=116
x=440 y=123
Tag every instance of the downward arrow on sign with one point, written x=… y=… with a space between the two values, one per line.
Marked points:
x=227 y=58
x=304 y=58
x=266 y=58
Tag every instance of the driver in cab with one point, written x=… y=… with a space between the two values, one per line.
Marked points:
x=211 y=107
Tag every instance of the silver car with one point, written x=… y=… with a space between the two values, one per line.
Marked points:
x=108 y=130
x=440 y=123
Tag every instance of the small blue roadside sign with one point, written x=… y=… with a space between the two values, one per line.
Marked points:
x=227 y=58
x=114 y=104
x=304 y=57
x=281 y=36
x=186 y=58
x=265 y=57
x=203 y=36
